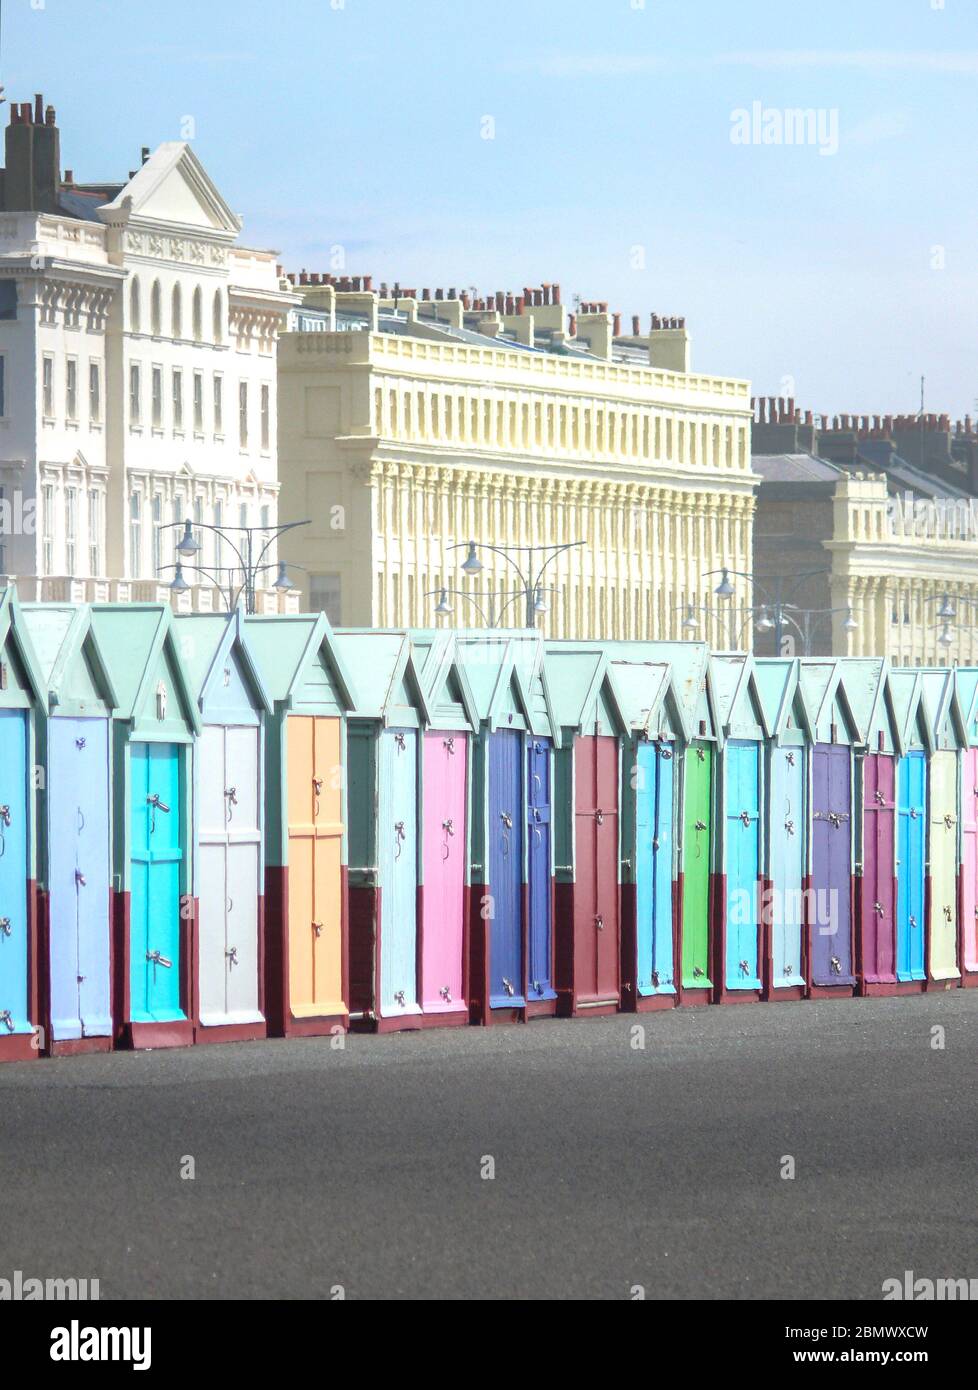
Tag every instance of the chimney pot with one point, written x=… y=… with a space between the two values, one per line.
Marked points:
x=38 y=109
x=616 y=326
x=636 y=326
x=572 y=325
x=555 y=295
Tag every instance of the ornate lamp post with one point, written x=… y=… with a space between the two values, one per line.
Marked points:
x=251 y=560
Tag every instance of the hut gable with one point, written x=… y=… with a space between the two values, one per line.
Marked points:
x=22 y=681
x=139 y=649
x=71 y=661
x=444 y=679
x=829 y=712
x=945 y=721
x=300 y=663
x=966 y=679
x=737 y=697
x=383 y=670
x=221 y=669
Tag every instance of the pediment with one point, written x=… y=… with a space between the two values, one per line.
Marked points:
x=173 y=188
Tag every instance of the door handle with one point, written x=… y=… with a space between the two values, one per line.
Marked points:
x=599 y=817
x=231 y=794
x=157 y=959
x=789 y=825
x=317 y=928
x=400 y=835
x=232 y=955
x=157 y=804
x=399 y=997
x=880 y=799
x=949 y=820
x=745 y=818
x=599 y=922
x=5 y=926
x=506 y=819
x=7 y=1018
x=508 y=986
x=5 y=814
x=449 y=743
x=446 y=994
x=745 y=967
x=835 y=965
x=947 y=913
x=878 y=909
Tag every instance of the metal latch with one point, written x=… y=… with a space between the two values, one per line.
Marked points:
x=508 y=986
x=835 y=965
x=599 y=922
x=599 y=817
x=880 y=799
x=232 y=795
x=449 y=743
x=790 y=759
x=157 y=959
x=232 y=955
x=80 y=879
x=79 y=743
x=913 y=813
x=697 y=972
x=157 y=804
x=506 y=819
x=789 y=825
x=7 y=1018
x=878 y=909
x=745 y=817
x=399 y=997
x=949 y=820
x=655 y=979
x=788 y=970
x=399 y=740
x=317 y=928
x=446 y=994
x=947 y=913
x=5 y=926
x=912 y=919
x=701 y=754
x=5 y=814
x=449 y=826
x=700 y=825
x=744 y=967
x=317 y=785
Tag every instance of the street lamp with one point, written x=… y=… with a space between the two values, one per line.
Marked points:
x=774 y=613
x=530 y=590
x=725 y=588
x=489 y=614
x=444 y=604
x=252 y=561
x=690 y=623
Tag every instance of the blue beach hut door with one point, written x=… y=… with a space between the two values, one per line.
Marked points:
x=653 y=869
x=13 y=873
x=505 y=836
x=540 y=984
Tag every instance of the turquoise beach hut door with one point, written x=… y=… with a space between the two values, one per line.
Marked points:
x=13 y=873
x=654 y=820
x=157 y=859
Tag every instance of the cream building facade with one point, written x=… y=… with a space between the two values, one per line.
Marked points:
x=409 y=426
x=137 y=357
x=894 y=561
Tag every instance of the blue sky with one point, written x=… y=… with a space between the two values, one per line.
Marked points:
x=840 y=278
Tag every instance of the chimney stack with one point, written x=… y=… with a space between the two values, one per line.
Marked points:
x=32 y=177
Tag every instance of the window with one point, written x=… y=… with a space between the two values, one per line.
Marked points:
x=8 y=299
x=71 y=388
x=198 y=401
x=198 y=315
x=47 y=527
x=265 y=413
x=157 y=398
x=94 y=393
x=135 y=394
x=156 y=309
x=218 y=542
x=136 y=534
x=218 y=405
x=71 y=528
x=177 y=313
x=47 y=387
x=218 y=317
x=325 y=592
x=94 y=532
x=177 y=399
x=135 y=307
x=243 y=414
x=157 y=532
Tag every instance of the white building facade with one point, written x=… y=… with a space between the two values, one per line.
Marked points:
x=137 y=374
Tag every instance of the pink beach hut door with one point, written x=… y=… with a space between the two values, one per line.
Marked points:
x=443 y=912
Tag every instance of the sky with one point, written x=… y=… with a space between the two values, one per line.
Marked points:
x=635 y=151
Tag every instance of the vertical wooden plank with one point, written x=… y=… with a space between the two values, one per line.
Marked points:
x=397 y=839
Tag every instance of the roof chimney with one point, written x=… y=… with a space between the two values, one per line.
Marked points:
x=32 y=178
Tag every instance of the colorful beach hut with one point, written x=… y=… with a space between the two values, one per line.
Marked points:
x=744 y=731
x=587 y=798
x=155 y=725
x=229 y=821
x=22 y=697
x=829 y=926
x=306 y=960
x=785 y=840
x=906 y=689
x=967 y=685
x=74 y=830
x=948 y=740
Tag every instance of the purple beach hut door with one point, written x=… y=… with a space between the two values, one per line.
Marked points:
x=830 y=931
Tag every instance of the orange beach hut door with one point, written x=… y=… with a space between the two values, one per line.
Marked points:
x=315 y=855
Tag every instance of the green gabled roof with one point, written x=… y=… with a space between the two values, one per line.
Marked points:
x=438 y=659
x=735 y=690
x=60 y=634
x=644 y=688
x=132 y=638
x=864 y=679
x=381 y=663
x=966 y=679
x=528 y=653
x=941 y=705
x=821 y=684
x=777 y=688
x=216 y=635
x=578 y=673
x=285 y=644
x=13 y=630
x=692 y=678
x=906 y=689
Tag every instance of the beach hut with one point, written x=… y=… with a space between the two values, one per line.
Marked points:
x=447 y=900
x=306 y=943
x=650 y=799
x=155 y=725
x=587 y=798
x=785 y=841
x=948 y=739
x=829 y=926
x=744 y=730
x=74 y=830
x=510 y=954
x=877 y=751
x=906 y=688
x=385 y=733
x=967 y=683
x=229 y=797
x=22 y=695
